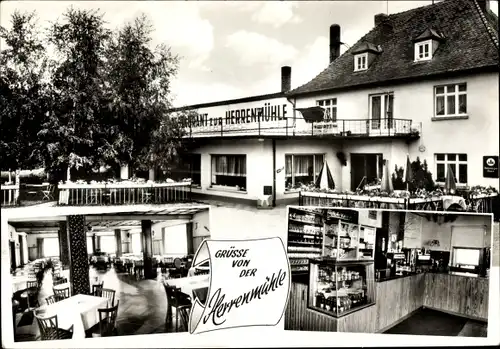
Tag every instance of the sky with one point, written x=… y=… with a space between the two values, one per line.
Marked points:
x=235 y=49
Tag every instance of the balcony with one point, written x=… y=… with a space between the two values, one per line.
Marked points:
x=288 y=127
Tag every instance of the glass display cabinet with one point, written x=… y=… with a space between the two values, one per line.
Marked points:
x=345 y=240
x=339 y=287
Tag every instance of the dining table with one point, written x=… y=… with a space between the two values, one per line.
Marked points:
x=20 y=282
x=79 y=311
x=189 y=285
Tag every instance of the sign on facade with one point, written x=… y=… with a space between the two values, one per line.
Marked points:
x=490 y=166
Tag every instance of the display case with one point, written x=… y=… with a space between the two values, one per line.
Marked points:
x=344 y=239
x=339 y=287
x=305 y=237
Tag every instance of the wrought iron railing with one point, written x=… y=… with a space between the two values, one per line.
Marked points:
x=299 y=127
x=75 y=194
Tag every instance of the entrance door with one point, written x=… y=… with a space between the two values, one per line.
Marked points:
x=381 y=111
x=367 y=167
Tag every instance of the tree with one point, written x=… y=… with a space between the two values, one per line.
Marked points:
x=422 y=177
x=72 y=133
x=24 y=92
x=140 y=132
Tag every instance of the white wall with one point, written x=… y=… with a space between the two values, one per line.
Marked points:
x=364 y=219
x=477 y=136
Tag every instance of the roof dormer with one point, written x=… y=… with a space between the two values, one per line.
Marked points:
x=426 y=44
x=364 y=55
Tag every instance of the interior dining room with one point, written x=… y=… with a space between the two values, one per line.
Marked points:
x=101 y=271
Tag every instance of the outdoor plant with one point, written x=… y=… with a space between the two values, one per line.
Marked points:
x=422 y=177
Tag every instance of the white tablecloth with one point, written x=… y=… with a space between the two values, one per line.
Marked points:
x=79 y=310
x=62 y=286
x=188 y=284
x=19 y=282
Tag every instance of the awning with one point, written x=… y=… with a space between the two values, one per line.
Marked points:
x=312 y=114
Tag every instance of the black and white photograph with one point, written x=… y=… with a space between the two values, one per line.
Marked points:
x=136 y=132
x=392 y=272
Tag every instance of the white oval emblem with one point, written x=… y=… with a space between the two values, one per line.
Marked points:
x=490 y=162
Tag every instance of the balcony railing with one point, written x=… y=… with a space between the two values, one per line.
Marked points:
x=299 y=127
x=75 y=194
x=10 y=195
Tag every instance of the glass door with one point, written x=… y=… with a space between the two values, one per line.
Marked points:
x=381 y=111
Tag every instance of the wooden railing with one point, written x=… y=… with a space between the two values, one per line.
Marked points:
x=10 y=195
x=483 y=203
x=75 y=194
x=299 y=127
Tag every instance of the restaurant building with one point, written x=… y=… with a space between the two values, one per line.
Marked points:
x=398 y=272
x=422 y=83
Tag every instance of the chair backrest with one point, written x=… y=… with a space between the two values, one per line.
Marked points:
x=173 y=295
x=109 y=294
x=97 y=289
x=31 y=284
x=50 y=299
x=184 y=315
x=61 y=293
x=177 y=263
x=46 y=324
x=107 y=319
x=60 y=281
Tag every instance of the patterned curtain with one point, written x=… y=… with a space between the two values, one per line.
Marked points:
x=229 y=165
x=303 y=165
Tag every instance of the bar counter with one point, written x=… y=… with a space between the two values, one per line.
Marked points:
x=396 y=300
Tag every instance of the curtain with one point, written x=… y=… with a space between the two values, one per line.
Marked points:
x=107 y=244
x=303 y=165
x=451 y=105
x=176 y=240
x=89 y=244
x=376 y=105
x=39 y=244
x=229 y=165
x=50 y=247
x=318 y=163
x=288 y=165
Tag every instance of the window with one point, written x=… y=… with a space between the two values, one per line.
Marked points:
x=361 y=62
x=423 y=51
x=330 y=106
x=467 y=258
x=176 y=240
x=51 y=247
x=136 y=242
x=458 y=164
x=89 y=245
x=189 y=167
x=302 y=169
x=382 y=111
x=451 y=100
x=108 y=244
x=229 y=170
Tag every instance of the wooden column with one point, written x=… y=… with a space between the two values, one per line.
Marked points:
x=189 y=237
x=118 y=239
x=147 y=249
x=79 y=261
x=63 y=244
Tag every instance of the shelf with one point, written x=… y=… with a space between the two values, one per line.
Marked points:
x=301 y=233
x=304 y=222
x=304 y=243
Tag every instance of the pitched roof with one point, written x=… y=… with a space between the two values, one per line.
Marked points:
x=470 y=43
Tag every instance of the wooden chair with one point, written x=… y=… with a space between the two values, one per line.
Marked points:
x=50 y=299
x=49 y=329
x=60 y=281
x=31 y=285
x=107 y=320
x=109 y=294
x=31 y=294
x=184 y=311
x=97 y=289
x=175 y=299
x=61 y=293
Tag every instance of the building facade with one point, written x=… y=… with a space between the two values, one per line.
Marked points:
x=422 y=83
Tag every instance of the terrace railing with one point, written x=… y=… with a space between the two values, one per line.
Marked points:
x=10 y=195
x=76 y=194
x=299 y=127
x=480 y=203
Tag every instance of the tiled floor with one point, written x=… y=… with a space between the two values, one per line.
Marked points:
x=142 y=309
x=434 y=323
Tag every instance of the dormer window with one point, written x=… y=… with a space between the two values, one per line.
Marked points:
x=423 y=50
x=364 y=55
x=361 y=62
x=426 y=44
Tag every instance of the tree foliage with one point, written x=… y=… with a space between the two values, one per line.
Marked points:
x=422 y=177
x=101 y=97
x=23 y=92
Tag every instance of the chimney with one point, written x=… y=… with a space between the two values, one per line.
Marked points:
x=379 y=18
x=334 y=42
x=286 y=78
x=484 y=5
